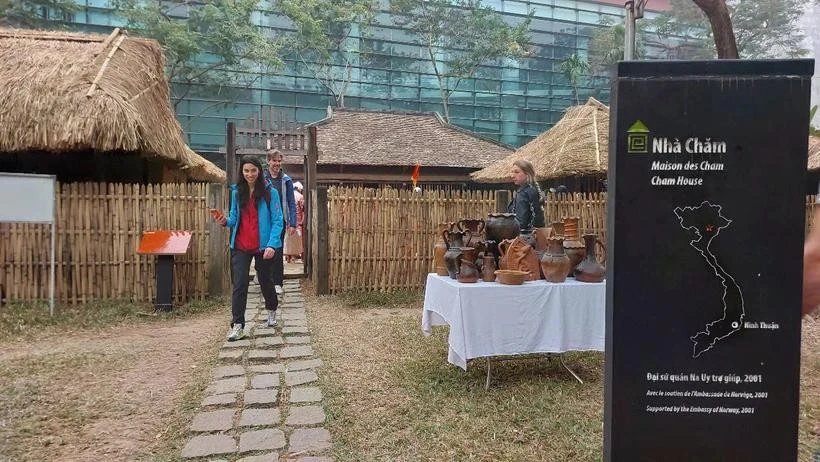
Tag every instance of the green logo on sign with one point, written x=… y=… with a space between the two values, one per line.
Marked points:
x=637 y=138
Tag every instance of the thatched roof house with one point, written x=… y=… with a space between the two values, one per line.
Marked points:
x=69 y=98
x=814 y=153
x=358 y=145
x=578 y=145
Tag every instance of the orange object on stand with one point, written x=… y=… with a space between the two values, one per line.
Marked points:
x=164 y=244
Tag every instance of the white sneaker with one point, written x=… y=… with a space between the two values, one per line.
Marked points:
x=271 y=318
x=235 y=333
x=279 y=289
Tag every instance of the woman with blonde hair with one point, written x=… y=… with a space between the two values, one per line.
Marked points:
x=527 y=202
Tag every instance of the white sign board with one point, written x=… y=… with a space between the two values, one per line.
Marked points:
x=27 y=198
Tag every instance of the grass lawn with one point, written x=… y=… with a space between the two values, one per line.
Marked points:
x=391 y=395
x=103 y=381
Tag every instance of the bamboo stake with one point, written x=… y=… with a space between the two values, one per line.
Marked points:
x=104 y=66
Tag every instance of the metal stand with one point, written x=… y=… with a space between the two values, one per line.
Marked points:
x=549 y=357
x=165 y=283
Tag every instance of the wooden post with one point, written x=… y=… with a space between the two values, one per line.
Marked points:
x=230 y=155
x=502 y=199
x=322 y=261
x=311 y=160
x=217 y=244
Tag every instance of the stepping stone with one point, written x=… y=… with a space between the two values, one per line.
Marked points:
x=260 y=417
x=265 y=381
x=269 y=457
x=295 y=323
x=263 y=396
x=258 y=440
x=237 y=343
x=295 y=330
x=211 y=421
x=231 y=355
x=304 y=364
x=298 y=339
x=298 y=378
x=229 y=371
x=261 y=355
x=219 y=400
x=264 y=331
x=296 y=351
x=305 y=415
x=305 y=395
x=292 y=315
x=209 y=445
x=309 y=439
x=268 y=368
x=234 y=384
x=269 y=341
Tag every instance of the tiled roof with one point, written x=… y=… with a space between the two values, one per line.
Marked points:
x=365 y=137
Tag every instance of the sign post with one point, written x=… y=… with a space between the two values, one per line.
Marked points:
x=164 y=244
x=706 y=229
x=29 y=198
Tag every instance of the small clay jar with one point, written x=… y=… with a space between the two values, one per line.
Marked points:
x=557 y=228
x=488 y=269
x=439 y=249
x=468 y=272
x=589 y=270
x=555 y=264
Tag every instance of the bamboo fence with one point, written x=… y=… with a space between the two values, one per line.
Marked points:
x=382 y=239
x=98 y=229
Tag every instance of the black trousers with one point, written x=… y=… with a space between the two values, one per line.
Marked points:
x=278 y=274
x=240 y=265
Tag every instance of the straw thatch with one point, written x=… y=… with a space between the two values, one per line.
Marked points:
x=577 y=145
x=814 y=153
x=69 y=92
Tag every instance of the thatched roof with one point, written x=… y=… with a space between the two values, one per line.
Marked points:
x=577 y=145
x=814 y=153
x=367 y=137
x=64 y=92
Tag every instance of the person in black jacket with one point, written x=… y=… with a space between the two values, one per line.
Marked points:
x=527 y=203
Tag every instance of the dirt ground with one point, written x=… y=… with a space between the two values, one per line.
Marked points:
x=119 y=393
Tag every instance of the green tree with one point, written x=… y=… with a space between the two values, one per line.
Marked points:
x=815 y=131
x=753 y=29
x=574 y=67
x=210 y=46
x=327 y=38
x=43 y=14
x=458 y=36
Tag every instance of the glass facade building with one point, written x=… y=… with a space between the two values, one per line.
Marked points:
x=511 y=102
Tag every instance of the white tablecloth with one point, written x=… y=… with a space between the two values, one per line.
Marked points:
x=492 y=319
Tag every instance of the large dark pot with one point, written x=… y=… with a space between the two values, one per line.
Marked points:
x=452 y=260
x=501 y=226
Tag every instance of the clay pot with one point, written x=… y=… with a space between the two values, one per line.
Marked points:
x=589 y=270
x=488 y=268
x=452 y=260
x=557 y=228
x=467 y=271
x=516 y=254
x=541 y=236
x=439 y=249
x=500 y=226
x=456 y=238
x=576 y=252
x=571 y=228
x=475 y=226
x=555 y=264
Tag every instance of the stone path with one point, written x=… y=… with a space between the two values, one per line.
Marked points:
x=264 y=403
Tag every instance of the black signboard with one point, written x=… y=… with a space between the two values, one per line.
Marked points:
x=707 y=173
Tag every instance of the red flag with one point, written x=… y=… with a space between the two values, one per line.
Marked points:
x=415 y=176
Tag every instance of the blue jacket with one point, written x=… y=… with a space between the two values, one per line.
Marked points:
x=270 y=219
x=289 y=204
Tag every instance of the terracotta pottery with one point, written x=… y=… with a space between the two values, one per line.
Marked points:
x=475 y=226
x=452 y=260
x=455 y=238
x=467 y=271
x=541 y=236
x=511 y=277
x=571 y=228
x=439 y=249
x=529 y=237
x=590 y=270
x=573 y=246
x=516 y=254
x=488 y=268
x=500 y=226
x=555 y=264
x=557 y=228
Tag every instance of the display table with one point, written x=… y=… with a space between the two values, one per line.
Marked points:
x=489 y=319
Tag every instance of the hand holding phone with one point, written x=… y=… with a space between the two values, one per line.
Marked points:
x=218 y=216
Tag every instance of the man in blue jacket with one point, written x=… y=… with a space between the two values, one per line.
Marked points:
x=283 y=184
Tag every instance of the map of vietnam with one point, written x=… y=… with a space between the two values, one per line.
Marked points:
x=704 y=222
